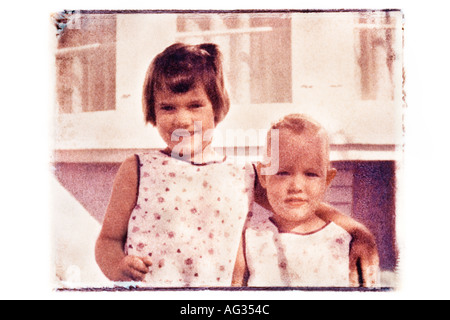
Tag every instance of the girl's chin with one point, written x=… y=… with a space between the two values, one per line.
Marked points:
x=296 y=215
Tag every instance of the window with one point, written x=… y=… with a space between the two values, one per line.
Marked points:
x=376 y=56
x=256 y=49
x=86 y=62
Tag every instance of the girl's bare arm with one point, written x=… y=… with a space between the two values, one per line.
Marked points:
x=109 y=251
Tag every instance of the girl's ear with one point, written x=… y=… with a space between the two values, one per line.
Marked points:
x=331 y=174
x=261 y=177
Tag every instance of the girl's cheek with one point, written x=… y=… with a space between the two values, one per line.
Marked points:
x=318 y=190
x=163 y=132
x=274 y=187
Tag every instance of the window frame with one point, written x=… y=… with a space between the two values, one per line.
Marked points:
x=89 y=82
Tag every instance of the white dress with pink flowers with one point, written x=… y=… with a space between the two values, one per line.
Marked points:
x=189 y=220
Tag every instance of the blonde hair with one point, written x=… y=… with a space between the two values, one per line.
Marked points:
x=300 y=124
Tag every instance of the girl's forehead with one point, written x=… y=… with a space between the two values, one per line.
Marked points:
x=178 y=83
x=302 y=149
x=195 y=92
x=289 y=140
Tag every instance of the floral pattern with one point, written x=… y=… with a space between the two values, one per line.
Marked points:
x=189 y=220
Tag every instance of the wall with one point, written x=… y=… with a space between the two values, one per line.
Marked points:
x=374 y=204
x=326 y=84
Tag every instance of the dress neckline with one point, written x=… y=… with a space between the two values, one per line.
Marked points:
x=306 y=233
x=164 y=152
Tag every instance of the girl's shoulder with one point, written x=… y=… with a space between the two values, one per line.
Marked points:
x=126 y=183
x=129 y=165
x=239 y=164
x=259 y=219
x=335 y=231
x=128 y=173
x=150 y=155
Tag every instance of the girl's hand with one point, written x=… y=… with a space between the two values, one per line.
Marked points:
x=364 y=261
x=133 y=268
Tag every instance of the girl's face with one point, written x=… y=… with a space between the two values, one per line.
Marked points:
x=298 y=187
x=185 y=120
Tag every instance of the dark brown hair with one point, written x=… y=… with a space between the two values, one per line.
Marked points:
x=179 y=68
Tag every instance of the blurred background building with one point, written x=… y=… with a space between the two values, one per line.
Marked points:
x=342 y=68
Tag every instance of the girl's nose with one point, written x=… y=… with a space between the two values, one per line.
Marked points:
x=183 y=120
x=296 y=184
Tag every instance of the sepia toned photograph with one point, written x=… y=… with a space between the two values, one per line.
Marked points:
x=227 y=150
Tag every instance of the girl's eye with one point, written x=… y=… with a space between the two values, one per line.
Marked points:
x=312 y=175
x=282 y=173
x=195 y=106
x=167 y=108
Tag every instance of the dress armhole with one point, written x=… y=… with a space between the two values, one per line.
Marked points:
x=255 y=183
x=138 y=166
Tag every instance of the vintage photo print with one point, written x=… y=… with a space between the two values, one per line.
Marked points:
x=166 y=124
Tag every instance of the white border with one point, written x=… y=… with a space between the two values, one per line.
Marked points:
x=25 y=140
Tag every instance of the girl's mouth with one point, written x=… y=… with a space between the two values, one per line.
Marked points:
x=296 y=202
x=178 y=133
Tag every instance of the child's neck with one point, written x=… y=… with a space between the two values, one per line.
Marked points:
x=309 y=225
x=207 y=155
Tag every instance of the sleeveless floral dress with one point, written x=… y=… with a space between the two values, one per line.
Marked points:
x=275 y=259
x=189 y=219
